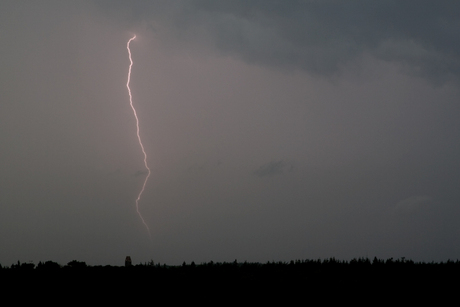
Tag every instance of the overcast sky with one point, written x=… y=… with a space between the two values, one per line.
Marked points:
x=275 y=130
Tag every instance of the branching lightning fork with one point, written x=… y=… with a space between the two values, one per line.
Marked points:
x=138 y=135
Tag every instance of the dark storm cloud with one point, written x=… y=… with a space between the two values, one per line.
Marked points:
x=228 y=94
x=318 y=36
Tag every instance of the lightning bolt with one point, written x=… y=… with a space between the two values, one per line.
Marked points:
x=138 y=135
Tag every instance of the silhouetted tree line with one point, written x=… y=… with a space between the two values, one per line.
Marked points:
x=232 y=279
x=328 y=279
x=298 y=270
x=315 y=278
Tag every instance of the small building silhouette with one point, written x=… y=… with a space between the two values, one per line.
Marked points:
x=128 y=261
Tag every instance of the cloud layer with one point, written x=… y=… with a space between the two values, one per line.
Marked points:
x=320 y=37
x=275 y=130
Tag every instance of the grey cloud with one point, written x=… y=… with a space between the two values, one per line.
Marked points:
x=320 y=37
x=376 y=167
x=204 y=166
x=273 y=168
x=140 y=173
x=412 y=204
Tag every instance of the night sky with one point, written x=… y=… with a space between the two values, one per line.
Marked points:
x=275 y=130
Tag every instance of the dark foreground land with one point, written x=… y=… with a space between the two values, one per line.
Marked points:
x=329 y=280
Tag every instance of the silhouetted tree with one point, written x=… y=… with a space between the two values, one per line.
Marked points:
x=48 y=265
x=23 y=266
x=74 y=264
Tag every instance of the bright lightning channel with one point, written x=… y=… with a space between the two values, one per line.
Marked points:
x=138 y=135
